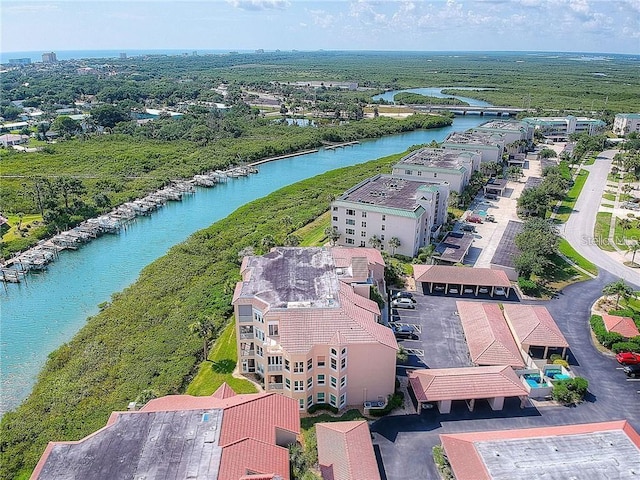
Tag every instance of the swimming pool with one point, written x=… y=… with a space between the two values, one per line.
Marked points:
x=482 y=213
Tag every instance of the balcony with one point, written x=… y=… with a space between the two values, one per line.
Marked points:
x=275 y=386
x=274 y=368
x=247 y=336
x=245 y=319
x=247 y=353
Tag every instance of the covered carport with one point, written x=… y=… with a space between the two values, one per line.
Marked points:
x=433 y=277
x=534 y=327
x=442 y=386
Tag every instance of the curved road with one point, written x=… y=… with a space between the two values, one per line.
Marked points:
x=579 y=228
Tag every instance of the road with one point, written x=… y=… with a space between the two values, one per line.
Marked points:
x=579 y=228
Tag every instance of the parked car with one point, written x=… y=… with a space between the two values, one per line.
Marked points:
x=483 y=290
x=468 y=228
x=469 y=290
x=474 y=219
x=403 y=303
x=490 y=218
x=438 y=288
x=404 y=295
x=500 y=291
x=628 y=358
x=453 y=290
x=404 y=331
x=632 y=370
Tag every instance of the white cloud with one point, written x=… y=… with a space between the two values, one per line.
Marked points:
x=259 y=4
x=321 y=18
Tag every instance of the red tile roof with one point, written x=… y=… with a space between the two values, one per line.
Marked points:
x=431 y=385
x=355 y=319
x=488 y=336
x=625 y=326
x=460 y=275
x=533 y=325
x=224 y=391
x=467 y=464
x=343 y=255
x=345 y=451
x=254 y=460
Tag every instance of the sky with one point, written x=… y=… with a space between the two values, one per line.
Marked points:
x=602 y=26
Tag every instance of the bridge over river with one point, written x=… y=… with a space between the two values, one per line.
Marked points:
x=470 y=109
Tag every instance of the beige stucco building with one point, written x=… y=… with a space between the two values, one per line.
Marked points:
x=307 y=329
x=490 y=145
x=625 y=123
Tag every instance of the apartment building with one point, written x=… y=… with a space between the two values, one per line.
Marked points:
x=490 y=145
x=559 y=128
x=625 y=123
x=385 y=207
x=307 y=330
x=439 y=166
x=513 y=131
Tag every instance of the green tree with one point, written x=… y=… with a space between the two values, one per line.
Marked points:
x=618 y=288
x=394 y=243
x=533 y=202
x=268 y=242
x=65 y=125
x=109 y=115
x=537 y=243
x=292 y=240
x=204 y=329
x=332 y=234
x=547 y=153
x=375 y=242
x=514 y=173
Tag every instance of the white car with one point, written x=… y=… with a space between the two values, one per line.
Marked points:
x=403 y=303
x=453 y=290
x=500 y=291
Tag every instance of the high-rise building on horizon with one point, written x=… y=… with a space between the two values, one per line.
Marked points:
x=49 y=57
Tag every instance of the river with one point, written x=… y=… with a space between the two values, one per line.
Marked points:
x=40 y=315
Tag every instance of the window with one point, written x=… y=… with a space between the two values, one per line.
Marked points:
x=350 y=231
x=298 y=385
x=309 y=383
x=335 y=219
x=257 y=316
x=343 y=351
x=362 y=244
x=259 y=334
x=334 y=381
x=273 y=329
x=435 y=174
x=310 y=364
x=335 y=209
x=334 y=363
x=321 y=361
x=309 y=401
x=287 y=384
x=320 y=397
x=407 y=172
x=384 y=217
x=419 y=173
x=343 y=400
x=334 y=352
x=350 y=211
x=350 y=221
x=382 y=237
x=382 y=228
x=298 y=367
x=332 y=400
x=301 y=403
x=259 y=351
x=286 y=365
x=343 y=382
x=343 y=363
x=321 y=379
x=364 y=224
x=349 y=241
x=363 y=234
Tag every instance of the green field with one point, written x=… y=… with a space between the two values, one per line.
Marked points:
x=602 y=229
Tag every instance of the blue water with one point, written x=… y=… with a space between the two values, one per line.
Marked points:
x=432 y=92
x=38 y=317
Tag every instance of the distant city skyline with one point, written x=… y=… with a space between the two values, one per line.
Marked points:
x=439 y=25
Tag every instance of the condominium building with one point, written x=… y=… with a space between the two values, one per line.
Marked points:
x=49 y=57
x=439 y=166
x=490 y=145
x=385 y=207
x=559 y=128
x=626 y=123
x=512 y=130
x=307 y=329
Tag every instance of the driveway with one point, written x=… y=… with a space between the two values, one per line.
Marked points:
x=404 y=442
x=579 y=228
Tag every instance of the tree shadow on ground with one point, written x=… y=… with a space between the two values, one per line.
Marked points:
x=224 y=366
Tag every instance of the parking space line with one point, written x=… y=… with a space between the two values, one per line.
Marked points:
x=415 y=351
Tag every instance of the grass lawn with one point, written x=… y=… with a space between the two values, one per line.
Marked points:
x=608 y=205
x=591 y=159
x=561 y=275
x=312 y=234
x=568 y=251
x=27 y=222
x=613 y=177
x=218 y=369
x=601 y=230
x=566 y=206
x=621 y=235
x=609 y=196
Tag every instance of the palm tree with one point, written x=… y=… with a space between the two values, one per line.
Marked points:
x=634 y=247
x=203 y=328
x=394 y=243
x=619 y=289
x=268 y=242
x=375 y=241
x=292 y=240
x=332 y=234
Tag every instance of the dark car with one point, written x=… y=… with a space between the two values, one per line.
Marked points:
x=628 y=358
x=404 y=295
x=404 y=331
x=632 y=370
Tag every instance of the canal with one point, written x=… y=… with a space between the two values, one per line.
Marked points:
x=40 y=315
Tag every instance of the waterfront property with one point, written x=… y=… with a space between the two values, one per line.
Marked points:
x=345 y=451
x=225 y=435
x=307 y=329
x=626 y=123
x=490 y=145
x=594 y=451
x=559 y=128
x=513 y=131
x=439 y=166
x=384 y=207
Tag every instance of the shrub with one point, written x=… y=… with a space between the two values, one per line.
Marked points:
x=606 y=338
x=625 y=347
x=395 y=401
x=527 y=286
x=554 y=357
x=561 y=362
x=442 y=463
x=322 y=406
x=571 y=391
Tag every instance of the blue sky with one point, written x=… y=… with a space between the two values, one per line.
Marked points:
x=606 y=26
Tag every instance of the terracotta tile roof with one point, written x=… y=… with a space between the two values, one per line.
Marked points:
x=467 y=462
x=224 y=391
x=258 y=418
x=355 y=319
x=345 y=451
x=340 y=254
x=625 y=326
x=460 y=275
x=488 y=336
x=430 y=385
x=248 y=457
x=533 y=325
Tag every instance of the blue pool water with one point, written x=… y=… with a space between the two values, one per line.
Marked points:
x=40 y=315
